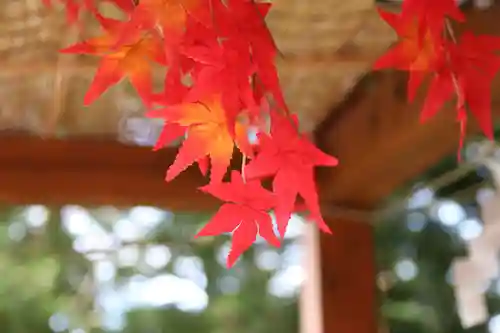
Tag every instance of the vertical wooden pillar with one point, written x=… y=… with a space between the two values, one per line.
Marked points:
x=348 y=278
x=311 y=302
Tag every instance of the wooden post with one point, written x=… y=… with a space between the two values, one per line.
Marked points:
x=311 y=307
x=348 y=278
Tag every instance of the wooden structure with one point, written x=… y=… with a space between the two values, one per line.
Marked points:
x=370 y=128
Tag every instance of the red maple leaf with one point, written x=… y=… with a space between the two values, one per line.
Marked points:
x=472 y=64
x=208 y=134
x=174 y=93
x=132 y=60
x=291 y=158
x=223 y=68
x=245 y=213
x=170 y=15
x=414 y=53
x=244 y=20
x=432 y=13
x=171 y=18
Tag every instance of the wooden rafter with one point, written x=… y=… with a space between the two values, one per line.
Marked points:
x=95 y=172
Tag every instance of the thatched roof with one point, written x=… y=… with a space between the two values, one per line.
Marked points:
x=326 y=45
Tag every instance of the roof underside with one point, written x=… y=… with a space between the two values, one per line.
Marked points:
x=327 y=45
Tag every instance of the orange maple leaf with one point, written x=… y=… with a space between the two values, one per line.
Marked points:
x=416 y=51
x=133 y=60
x=170 y=15
x=209 y=134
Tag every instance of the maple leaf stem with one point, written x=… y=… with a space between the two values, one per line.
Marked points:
x=461 y=116
x=451 y=34
x=159 y=30
x=243 y=164
x=463 y=125
x=449 y=30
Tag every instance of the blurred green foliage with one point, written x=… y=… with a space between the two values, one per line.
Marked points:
x=53 y=276
x=416 y=248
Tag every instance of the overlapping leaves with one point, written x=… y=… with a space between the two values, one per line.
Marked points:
x=460 y=68
x=221 y=83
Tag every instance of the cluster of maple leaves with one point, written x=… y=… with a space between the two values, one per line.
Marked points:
x=460 y=67
x=221 y=84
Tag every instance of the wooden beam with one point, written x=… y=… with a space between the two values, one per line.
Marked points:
x=381 y=146
x=95 y=172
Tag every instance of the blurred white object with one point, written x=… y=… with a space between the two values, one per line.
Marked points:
x=483 y=252
x=472 y=274
x=490 y=210
x=471 y=308
x=140 y=131
x=467 y=274
x=483 y=4
x=494 y=167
